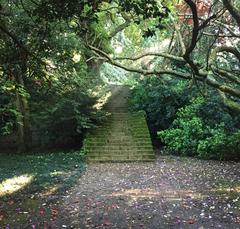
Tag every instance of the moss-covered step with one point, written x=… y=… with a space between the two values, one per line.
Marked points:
x=124 y=135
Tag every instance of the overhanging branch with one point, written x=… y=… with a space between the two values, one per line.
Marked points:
x=232 y=10
x=165 y=55
x=203 y=77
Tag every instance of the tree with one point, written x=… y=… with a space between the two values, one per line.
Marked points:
x=38 y=43
x=216 y=23
x=39 y=39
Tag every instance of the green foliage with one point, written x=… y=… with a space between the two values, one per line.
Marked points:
x=44 y=62
x=8 y=112
x=153 y=9
x=185 y=121
x=160 y=100
x=194 y=133
x=65 y=119
x=48 y=170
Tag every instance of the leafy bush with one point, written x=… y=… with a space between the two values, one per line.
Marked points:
x=187 y=122
x=160 y=100
x=8 y=112
x=66 y=118
x=196 y=131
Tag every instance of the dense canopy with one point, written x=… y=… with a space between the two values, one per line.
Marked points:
x=56 y=55
x=154 y=82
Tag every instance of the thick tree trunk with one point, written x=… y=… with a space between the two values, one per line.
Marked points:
x=17 y=73
x=23 y=125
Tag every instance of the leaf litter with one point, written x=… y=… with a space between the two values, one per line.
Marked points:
x=172 y=192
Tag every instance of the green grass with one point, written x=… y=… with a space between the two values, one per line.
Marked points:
x=59 y=169
x=28 y=180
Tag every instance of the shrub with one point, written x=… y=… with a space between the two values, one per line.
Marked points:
x=160 y=100
x=202 y=129
x=8 y=112
x=65 y=119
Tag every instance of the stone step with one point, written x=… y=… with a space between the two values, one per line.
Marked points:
x=120 y=137
x=127 y=144
x=119 y=141
x=107 y=138
x=119 y=134
x=126 y=119
x=124 y=136
x=120 y=159
x=118 y=147
x=95 y=155
x=119 y=152
x=121 y=128
x=116 y=132
x=117 y=110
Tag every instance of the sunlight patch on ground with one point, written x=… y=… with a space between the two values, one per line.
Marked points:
x=14 y=184
x=57 y=173
x=227 y=189
x=177 y=195
x=49 y=191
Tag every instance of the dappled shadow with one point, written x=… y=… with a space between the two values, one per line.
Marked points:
x=169 y=193
x=28 y=181
x=135 y=194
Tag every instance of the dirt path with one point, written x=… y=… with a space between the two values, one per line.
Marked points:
x=169 y=193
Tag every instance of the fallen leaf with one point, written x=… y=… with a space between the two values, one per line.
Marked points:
x=106 y=223
x=115 y=206
x=190 y=221
x=41 y=211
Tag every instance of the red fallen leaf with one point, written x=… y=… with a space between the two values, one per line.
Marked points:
x=54 y=212
x=106 y=223
x=190 y=221
x=41 y=211
x=115 y=206
x=10 y=202
x=44 y=226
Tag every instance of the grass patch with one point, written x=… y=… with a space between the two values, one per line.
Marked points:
x=29 y=181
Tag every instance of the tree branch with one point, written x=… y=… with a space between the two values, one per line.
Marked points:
x=232 y=50
x=234 y=12
x=203 y=77
x=231 y=77
x=14 y=38
x=165 y=55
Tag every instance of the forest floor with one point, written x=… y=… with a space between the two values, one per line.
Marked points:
x=57 y=190
x=172 y=192
x=31 y=187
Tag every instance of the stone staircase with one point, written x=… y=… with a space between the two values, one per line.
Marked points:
x=123 y=137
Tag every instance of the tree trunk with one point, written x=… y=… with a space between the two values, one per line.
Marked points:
x=23 y=123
